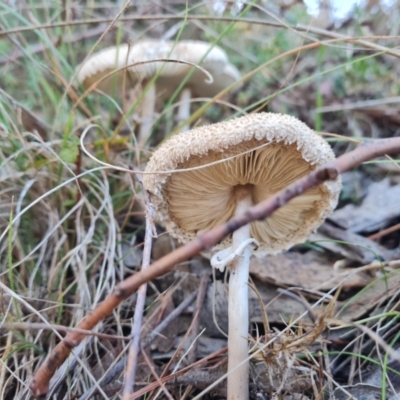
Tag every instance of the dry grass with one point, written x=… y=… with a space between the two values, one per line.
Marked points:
x=69 y=221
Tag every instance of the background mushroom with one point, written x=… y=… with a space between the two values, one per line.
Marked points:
x=124 y=83
x=169 y=75
x=102 y=63
x=212 y=58
x=234 y=165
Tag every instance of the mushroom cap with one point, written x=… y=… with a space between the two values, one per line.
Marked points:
x=266 y=152
x=102 y=63
x=215 y=62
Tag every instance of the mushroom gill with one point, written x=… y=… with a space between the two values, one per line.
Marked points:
x=203 y=198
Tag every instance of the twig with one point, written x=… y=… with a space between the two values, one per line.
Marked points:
x=385 y=232
x=300 y=300
x=140 y=303
x=68 y=366
x=157 y=378
x=176 y=353
x=204 y=241
x=196 y=325
x=112 y=374
x=172 y=316
x=154 y=385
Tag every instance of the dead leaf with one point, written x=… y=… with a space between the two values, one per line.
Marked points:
x=202 y=378
x=350 y=245
x=278 y=307
x=215 y=304
x=379 y=206
x=359 y=391
x=206 y=346
x=309 y=271
x=376 y=292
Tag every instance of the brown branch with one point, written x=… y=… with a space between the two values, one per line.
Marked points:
x=205 y=241
x=384 y=232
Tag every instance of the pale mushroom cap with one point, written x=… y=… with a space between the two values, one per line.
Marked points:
x=215 y=62
x=194 y=201
x=102 y=63
x=187 y=50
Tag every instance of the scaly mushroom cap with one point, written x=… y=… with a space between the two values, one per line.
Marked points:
x=266 y=152
x=215 y=62
x=110 y=59
x=102 y=63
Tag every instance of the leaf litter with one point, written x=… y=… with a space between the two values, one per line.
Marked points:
x=298 y=300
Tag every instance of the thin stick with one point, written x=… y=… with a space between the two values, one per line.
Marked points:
x=207 y=240
x=154 y=385
x=175 y=355
x=384 y=232
x=171 y=317
x=115 y=371
x=157 y=378
x=140 y=303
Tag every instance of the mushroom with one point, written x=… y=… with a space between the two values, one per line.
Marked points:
x=170 y=75
x=102 y=63
x=230 y=167
x=212 y=58
x=123 y=83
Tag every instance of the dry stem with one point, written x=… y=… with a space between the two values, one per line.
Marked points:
x=140 y=303
x=126 y=288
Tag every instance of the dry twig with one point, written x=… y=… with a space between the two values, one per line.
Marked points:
x=155 y=385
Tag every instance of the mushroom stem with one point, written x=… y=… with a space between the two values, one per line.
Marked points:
x=184 y=108
x=147 y=115
x=238 y=379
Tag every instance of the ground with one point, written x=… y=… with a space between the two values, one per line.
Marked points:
x=324 y=315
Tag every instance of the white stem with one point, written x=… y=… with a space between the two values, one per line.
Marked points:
x=238 y=379
x=147 y=115
x=184 y=108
